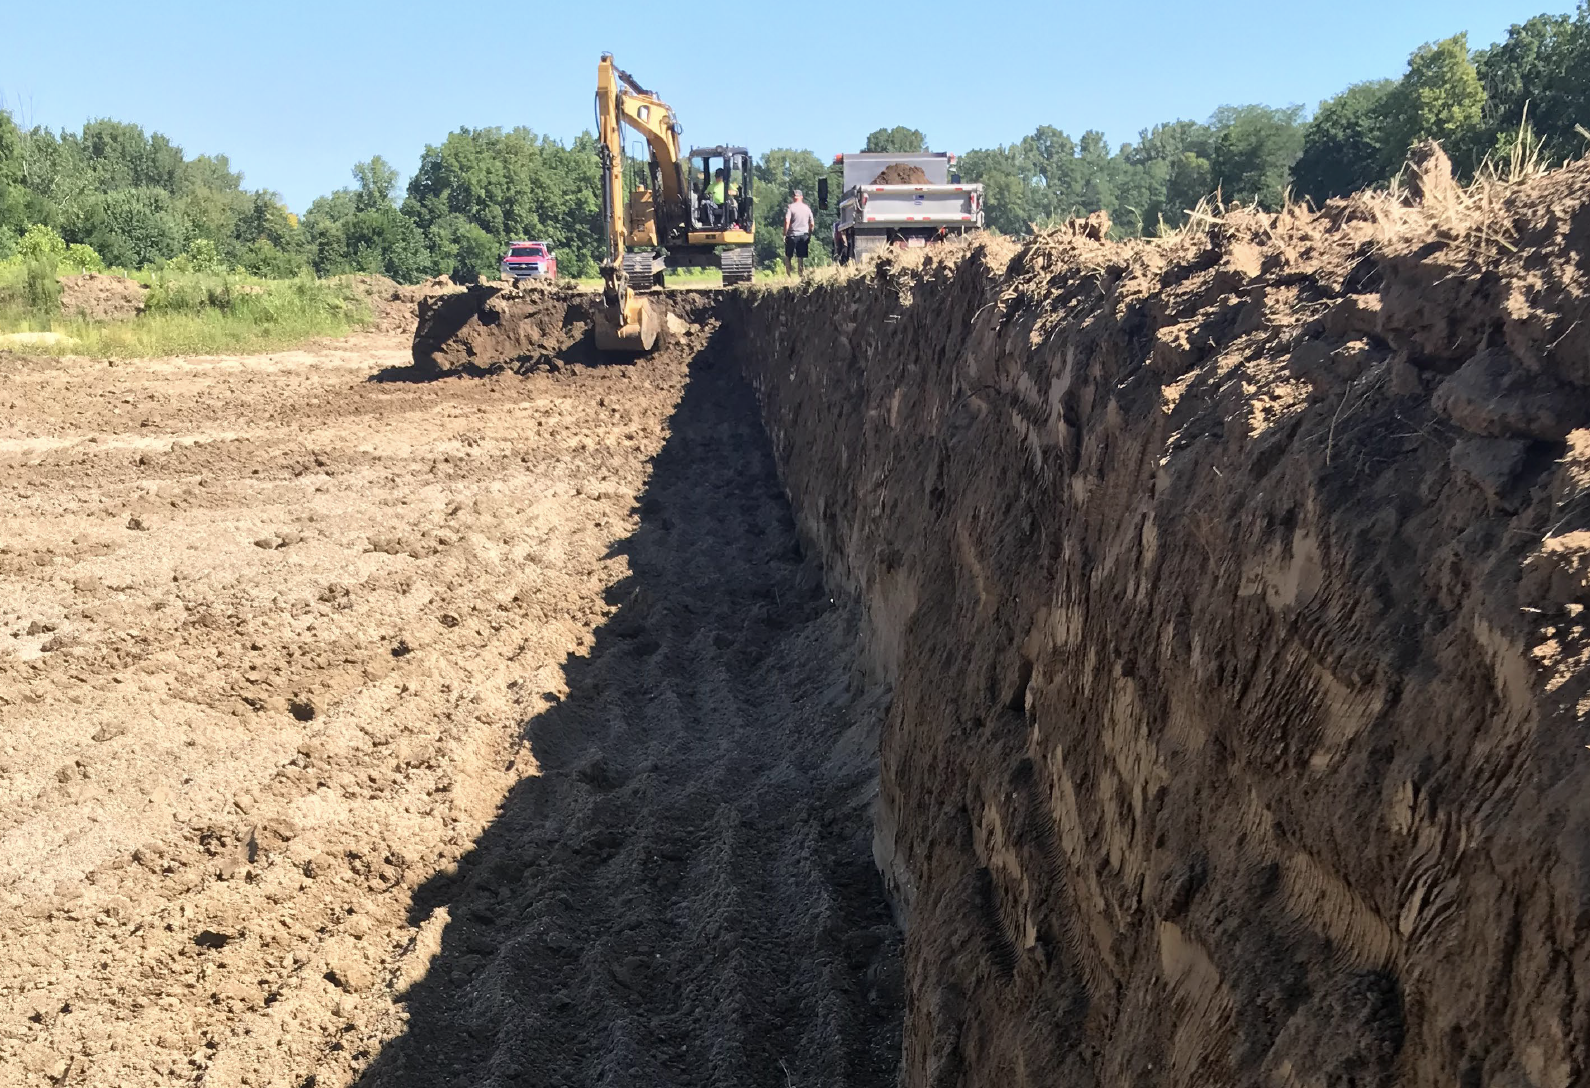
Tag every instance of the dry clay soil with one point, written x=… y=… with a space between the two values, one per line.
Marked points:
x=356 y=729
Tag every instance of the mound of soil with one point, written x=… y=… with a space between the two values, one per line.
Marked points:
x=900 y=173
x=395 y=305
x=100 y=297
x=494 y=326
x=1234 y=591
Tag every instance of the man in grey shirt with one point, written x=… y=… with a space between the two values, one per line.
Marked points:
x=798 y=224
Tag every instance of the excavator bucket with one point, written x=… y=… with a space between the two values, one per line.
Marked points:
x=633 y=327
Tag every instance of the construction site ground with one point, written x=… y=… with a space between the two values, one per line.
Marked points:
x=475 y=731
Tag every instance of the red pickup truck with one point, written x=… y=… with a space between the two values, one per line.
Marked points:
x=529 y=260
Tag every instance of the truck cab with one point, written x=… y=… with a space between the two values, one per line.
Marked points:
x=529 y=260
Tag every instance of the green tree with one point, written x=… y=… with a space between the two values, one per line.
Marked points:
x=514 y=186
x=463 y=250
x=1252 y=150
x=898 y=139
x=1542 y=71
x=13 y=193
x=132 y=228
x=1345 y=145
x=1439 y=98
x=377 y=181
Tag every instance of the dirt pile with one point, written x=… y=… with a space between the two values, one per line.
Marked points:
x=491 y=325
x=99 y=297
x=495 y=326
x=901 y=173
x=395 y=306
x=1232 y=589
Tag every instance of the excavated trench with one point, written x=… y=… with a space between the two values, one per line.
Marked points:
x=1230 y=593
x=684 y=893
x=1059 y=664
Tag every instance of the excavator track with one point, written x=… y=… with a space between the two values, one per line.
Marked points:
x=738 y=265
x=641 y=268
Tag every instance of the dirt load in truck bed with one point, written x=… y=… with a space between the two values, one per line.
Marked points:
x=900 y=173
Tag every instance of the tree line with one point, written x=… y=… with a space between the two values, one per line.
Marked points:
x=134 y=199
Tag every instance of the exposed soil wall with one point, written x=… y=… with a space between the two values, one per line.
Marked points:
x=1232 y=592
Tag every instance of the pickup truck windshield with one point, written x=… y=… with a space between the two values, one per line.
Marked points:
x=526 y=251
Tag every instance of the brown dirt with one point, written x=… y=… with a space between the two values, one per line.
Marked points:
x=491 y=324
x=1233 y=590
x=99 y=297
x=899 y=173
x=395 y=305
x=453 y=732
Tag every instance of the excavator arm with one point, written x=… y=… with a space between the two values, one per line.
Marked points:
x=624 y=321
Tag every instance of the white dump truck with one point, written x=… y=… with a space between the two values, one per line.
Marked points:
x=900 y=199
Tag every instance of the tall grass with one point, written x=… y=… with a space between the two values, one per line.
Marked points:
x=187 y=313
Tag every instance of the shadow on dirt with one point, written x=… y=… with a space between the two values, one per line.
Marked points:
x=684 y=895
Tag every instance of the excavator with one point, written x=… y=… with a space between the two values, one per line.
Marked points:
x=696 y=212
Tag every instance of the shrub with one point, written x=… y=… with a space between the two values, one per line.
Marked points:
x=268 y=262
x=201 y=256
x=40 y=243
x=41 y=287
x=81 y=258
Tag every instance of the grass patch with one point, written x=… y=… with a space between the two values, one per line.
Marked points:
x=191 y=313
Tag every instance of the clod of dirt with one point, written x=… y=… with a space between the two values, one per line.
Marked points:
x=900 y=173
x=349 y=974
x=1429 y=174
x=137 y=524
x=209 y=938
x=1095 y=227
x=100 y=297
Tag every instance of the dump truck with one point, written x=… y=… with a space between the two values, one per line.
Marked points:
x=900 y=199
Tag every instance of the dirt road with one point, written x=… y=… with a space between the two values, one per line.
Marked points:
x=466 y=732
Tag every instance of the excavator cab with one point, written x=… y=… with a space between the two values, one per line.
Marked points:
x=720 y=189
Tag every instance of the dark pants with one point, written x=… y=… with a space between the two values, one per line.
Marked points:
x=796 y=245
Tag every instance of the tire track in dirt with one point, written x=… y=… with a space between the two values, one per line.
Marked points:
x=270 y=641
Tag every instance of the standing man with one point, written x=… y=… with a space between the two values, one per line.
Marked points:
x=798 y=224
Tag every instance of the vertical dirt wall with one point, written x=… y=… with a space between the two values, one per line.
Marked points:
x=1232 y=593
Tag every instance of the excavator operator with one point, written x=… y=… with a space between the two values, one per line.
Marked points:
x=717 y=209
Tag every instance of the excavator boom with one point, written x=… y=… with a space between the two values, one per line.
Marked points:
x=624 y=321
x=700 y=220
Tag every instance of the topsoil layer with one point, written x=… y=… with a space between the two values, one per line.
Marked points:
x=423 y=733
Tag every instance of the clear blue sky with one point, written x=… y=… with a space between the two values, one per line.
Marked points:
x=297 y=92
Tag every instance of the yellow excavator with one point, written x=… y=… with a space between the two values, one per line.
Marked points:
x=696 y=212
